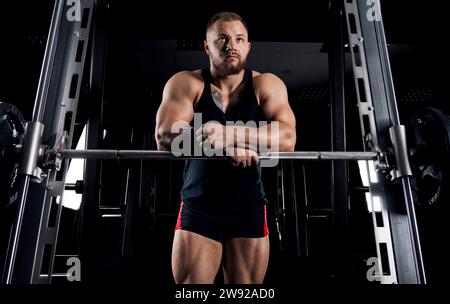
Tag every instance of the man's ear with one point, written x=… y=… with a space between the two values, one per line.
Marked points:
x=206 y=46
x=249 y=45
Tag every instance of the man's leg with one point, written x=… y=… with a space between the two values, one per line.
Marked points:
x=195 y=258
x=246 y=260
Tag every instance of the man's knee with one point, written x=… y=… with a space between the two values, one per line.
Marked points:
x=194 y=280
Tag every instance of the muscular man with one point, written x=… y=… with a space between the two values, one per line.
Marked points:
x=222 y=216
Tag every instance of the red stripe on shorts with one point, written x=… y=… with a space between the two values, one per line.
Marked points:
x=266 y=228
x=178 y=226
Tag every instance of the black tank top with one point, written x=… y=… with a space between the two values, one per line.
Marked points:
x=216 y=185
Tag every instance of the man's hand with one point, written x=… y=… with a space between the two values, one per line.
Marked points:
x=242 y=157
x=215 y=134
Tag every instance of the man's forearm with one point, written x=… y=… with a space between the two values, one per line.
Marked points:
x=274 y=136
x=164 y=140
x=165 y=135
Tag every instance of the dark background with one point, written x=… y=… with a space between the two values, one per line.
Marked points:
x=149 y=41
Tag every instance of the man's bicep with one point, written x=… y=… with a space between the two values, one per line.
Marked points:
x=172 y=117
x=177 y=103
x=171 y=110
x=276 y=104
x=283 y=114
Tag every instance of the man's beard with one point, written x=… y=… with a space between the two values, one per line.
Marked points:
x=225 y=70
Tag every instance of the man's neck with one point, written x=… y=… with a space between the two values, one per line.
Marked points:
x=227 y=83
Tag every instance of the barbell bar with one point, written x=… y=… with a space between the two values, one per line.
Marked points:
x=152 y=154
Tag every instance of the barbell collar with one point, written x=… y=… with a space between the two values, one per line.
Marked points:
x=31 y=147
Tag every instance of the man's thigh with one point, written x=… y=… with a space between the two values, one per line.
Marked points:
x=246 y=260
x=195 y=259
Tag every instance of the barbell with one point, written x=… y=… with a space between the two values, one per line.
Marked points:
x=159 y=155
x=12 y=127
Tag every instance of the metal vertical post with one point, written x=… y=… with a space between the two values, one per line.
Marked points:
x=339 y=168
x=32 y=245
x=395 y=226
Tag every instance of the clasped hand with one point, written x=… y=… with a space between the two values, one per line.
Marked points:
x=213 y=135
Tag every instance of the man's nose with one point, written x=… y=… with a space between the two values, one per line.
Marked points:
x=230 y=45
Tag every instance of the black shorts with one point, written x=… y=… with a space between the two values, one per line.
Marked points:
x=222 y=227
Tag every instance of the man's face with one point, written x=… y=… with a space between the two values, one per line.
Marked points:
x=227 y=46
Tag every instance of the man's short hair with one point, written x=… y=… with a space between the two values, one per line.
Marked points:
x=225 y=16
